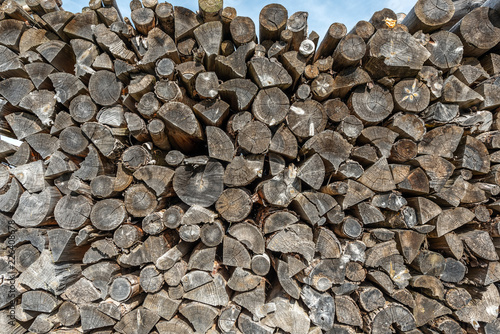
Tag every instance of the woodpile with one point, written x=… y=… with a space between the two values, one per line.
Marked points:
x=196 y=172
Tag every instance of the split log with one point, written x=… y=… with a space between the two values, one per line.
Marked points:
x=382 y=63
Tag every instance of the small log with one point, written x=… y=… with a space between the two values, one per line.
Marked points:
x=322 y=86
x=242 y=30
x=433 y=141
x=379 y=321
x=35 y=209
x=362 y=103
x=235 y=254
x=73 y=212
x=108 y=214
x=255 y=137
x=297 y=25
x=363 y=29
x=187 y=180
x=137 y=321
x=383 y=19
x=349 y=51
x=411 y=95
x=270 y=106
x=446 y=50
x=310 y=110
x=140 y=201
x=207 y=85
x=104 y=88
x=39 y=301
x=144 y=20
x=234 y=205
x=80 y=25
x=455 y=91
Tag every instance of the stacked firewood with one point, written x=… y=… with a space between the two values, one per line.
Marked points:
x=185 y=172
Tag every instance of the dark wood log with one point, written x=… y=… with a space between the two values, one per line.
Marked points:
x=455 y=91
x=306 y=119
x=335 y=33
x=461 y=9
x=207 y=85
x=446 y=50
x=25 y=256
x=187 y=181
x=183 y=128
x=82 y=109
x=297 y=25
x=140 y=201
x=428 y=16
x=255 y=137
x=67 y=86
x=382 y=319
x=35 y=209
x=363 y=29
x=12 y=31
x=140 y=320
x=227 y=15
x=80 y=25
x=160 y=45
x=111 y=43
x=433 y=141
x=349 y=51
x=478 y=42
x=383 y=19
x=73 y=212
x=165 y=13
x=104 y=88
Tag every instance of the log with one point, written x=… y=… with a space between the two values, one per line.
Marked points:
x=183 y=128
x=411 y=95
x=383 y=19
x=242 y=30
x=108 y=214
x=335 y=33
x=349 y=51
x=382 y=63
x=306 y=118
x=477 y=43
x=371 y=105
x=428 y=16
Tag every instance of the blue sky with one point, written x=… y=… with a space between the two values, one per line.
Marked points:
x=322 y=13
